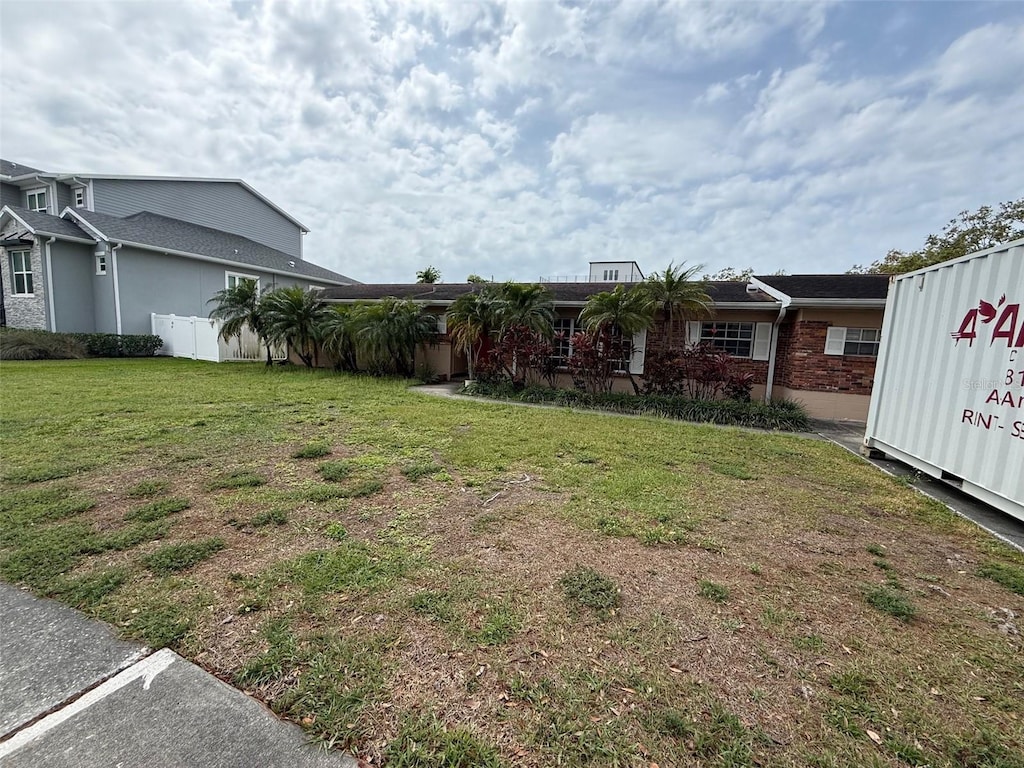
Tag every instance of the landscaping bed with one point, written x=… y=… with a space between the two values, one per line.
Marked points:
x=429 y=581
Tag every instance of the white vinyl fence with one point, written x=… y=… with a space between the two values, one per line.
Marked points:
x=198 y=338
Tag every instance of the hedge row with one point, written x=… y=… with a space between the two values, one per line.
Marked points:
x=28 y=344
x=778 y=414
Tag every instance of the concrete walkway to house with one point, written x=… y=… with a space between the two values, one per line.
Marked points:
x=72 y=694
x=848 y=435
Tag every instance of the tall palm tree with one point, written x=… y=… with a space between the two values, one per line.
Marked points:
x=524 y=305
x=238 y=308
x=470 y=320
x=337 y=336
x=295 y=316
x=389 y=331
x=679 y=295
x=621 y=311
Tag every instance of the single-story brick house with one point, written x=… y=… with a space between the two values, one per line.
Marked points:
x=813 y=338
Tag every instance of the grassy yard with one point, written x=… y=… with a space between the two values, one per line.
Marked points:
x=429 y=582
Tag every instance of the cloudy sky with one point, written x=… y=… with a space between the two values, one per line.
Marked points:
x=524 y=139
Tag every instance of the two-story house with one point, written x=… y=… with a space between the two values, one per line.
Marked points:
x=100 y=253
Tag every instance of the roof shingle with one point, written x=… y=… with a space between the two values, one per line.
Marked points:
x=830 y=286
x=9 y=168
x=162 y=232
x=45 y=224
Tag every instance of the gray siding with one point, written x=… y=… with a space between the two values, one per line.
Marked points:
x=226 y=206
x=151 y=282
x=73 y=267
x=10 y=195
x=104 y=319
x=63 y=198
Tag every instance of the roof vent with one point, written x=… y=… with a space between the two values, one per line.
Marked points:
x=291 y=263
x=751 y=288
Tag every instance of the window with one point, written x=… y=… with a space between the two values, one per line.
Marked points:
x=80 y=197
x=101 y=264
x=624 y=347
x=232 y=279
x=35 y=200
x=611 y=274
x=735 y=338
x=853 y=341
x=561 y=345
x=21 y=273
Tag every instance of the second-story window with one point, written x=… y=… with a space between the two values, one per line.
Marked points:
x=80 y=197
x=35 y=200
x=101 y=264
x=233 y=279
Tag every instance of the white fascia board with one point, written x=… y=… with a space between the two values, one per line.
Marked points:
x=226 y=262
x=69 y=238
x=775 y=293
x=83 y=222
x=245 y=185
x=6 y=211
x=754 y=306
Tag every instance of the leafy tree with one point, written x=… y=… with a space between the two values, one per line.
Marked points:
x=241 y=307
x=389 y=331
x=429 y=275
x=967 y=233
x=470 y=320
x=676 y=292
x=337 y=336
x=477 y=279
x=620 y=312
x=527 y=305
x=295 y=316
x=731 y=275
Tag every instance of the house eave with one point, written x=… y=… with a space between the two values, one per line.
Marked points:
x=838 y=303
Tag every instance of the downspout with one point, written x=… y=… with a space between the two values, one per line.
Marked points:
x=117 y=289
x=49 y=284
x=773 y=350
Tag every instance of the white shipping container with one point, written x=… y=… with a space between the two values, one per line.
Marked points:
x=948 y=396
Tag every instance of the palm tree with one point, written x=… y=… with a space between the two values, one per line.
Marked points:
x=471 y=317
x=389 y=331
x=295 y=316
x=429 y=275
x=622 y=311
x=524 y=305
x=238 y=308
x=337 y=336
x=678 y=294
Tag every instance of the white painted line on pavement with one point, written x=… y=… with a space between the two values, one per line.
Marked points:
x=147 y=669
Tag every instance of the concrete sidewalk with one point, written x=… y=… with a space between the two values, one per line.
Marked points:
x=72 y=694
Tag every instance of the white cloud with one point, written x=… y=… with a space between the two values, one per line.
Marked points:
x=521 y=139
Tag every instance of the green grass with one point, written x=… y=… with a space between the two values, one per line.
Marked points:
x=312 y=451
x=889 y=599
x=179 y=557
x=357 y=606
x=157 y=510
x=335 y=471
x=586 y=587
x=1009 y=576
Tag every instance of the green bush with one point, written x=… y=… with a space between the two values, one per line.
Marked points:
x=114 y=345
x=778 y=414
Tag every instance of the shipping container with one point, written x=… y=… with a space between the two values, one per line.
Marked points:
x=948 y=396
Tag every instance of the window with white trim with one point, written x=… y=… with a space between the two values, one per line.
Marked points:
x=853 y=341
x=621 y=365
x=561 y=344
x=735 y=338
x=35 y=200
x=232 y=279
x=80 y=197
x=610 y=275
x=101 y=264
x=21 y=273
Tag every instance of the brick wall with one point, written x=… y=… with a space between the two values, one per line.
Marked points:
x=802 y=362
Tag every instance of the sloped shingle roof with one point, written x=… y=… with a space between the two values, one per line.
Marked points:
x=45 y=224
x=8 y=168
x=720 y=292
x=163 y=232
x=830 y=286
